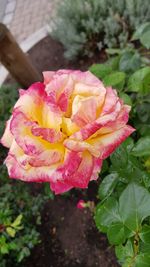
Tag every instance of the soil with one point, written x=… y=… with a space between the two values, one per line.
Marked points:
x=48 y=55
x=69 y=237
x=51 y=57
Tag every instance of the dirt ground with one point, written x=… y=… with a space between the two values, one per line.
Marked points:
x=70 y=238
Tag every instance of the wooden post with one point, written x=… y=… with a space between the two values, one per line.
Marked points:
x=15 y=60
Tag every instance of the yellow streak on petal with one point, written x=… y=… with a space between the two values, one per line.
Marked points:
x=51 y=119
x=7 y=137
x=32 y=110
x=68 y=126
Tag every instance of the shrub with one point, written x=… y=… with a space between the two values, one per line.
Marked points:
x=123 y=211
x=85 y=25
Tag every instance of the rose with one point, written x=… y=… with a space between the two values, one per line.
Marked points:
x=61 y=130
x=81 y=204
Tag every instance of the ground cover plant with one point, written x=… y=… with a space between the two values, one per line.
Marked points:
x=84 y=27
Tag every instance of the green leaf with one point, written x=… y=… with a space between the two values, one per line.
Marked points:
x=10 y=231
x=145 y=247
x=113 y=51
x=114 y=63
x=143 y=112
x=129 y=62
x=145 y=234
x=13 y=246
x=147 y=165
x=17 y=221
x=136 y=81
x=106 y=214
x=124 y=164
x=134 y=205
x=25 y=252
x=100 y=70
x=146 y=178
x=141 y=29
x=116 y=80
x=142 y=147
x=146 y=84
x=128 y=144
x=126 y=99
x=117 y=233
x=123 y=252
x=119 y=158
x=105 y=166
x=143 y=128
x=48 y=191
x=142 y=260
x=145 y=39
x=4 y=249
x=107 y=185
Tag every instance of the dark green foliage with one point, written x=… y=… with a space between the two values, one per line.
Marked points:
x=8 y=97
x=85 y=25
x=124 y=209
x=143 y=34
x=19 y=215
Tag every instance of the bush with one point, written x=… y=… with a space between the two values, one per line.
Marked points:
x=83 y=26
x=123 y=211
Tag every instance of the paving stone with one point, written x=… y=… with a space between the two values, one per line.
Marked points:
x=10 y=7
x=7 y=18
x=3 y=4
x=24 y=17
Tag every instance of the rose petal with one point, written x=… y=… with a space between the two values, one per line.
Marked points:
x=93 y=127
x=84 y=109
x=60 y=187
x=31 y=102
x=80 y=146
x=20 y=128
x=111 y=100
x=7 y=137
x=97 y=168
x=30 y=174
x=48 y=134
x=120 y=121
x=81 y=177
x=106 y=144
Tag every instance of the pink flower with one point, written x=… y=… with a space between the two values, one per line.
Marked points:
x=61 y=130
x=81 y=204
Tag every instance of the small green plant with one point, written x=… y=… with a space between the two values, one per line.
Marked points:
x=19 y=215
x=84 y=26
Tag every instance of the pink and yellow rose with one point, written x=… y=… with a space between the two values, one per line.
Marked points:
x=61 y=130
